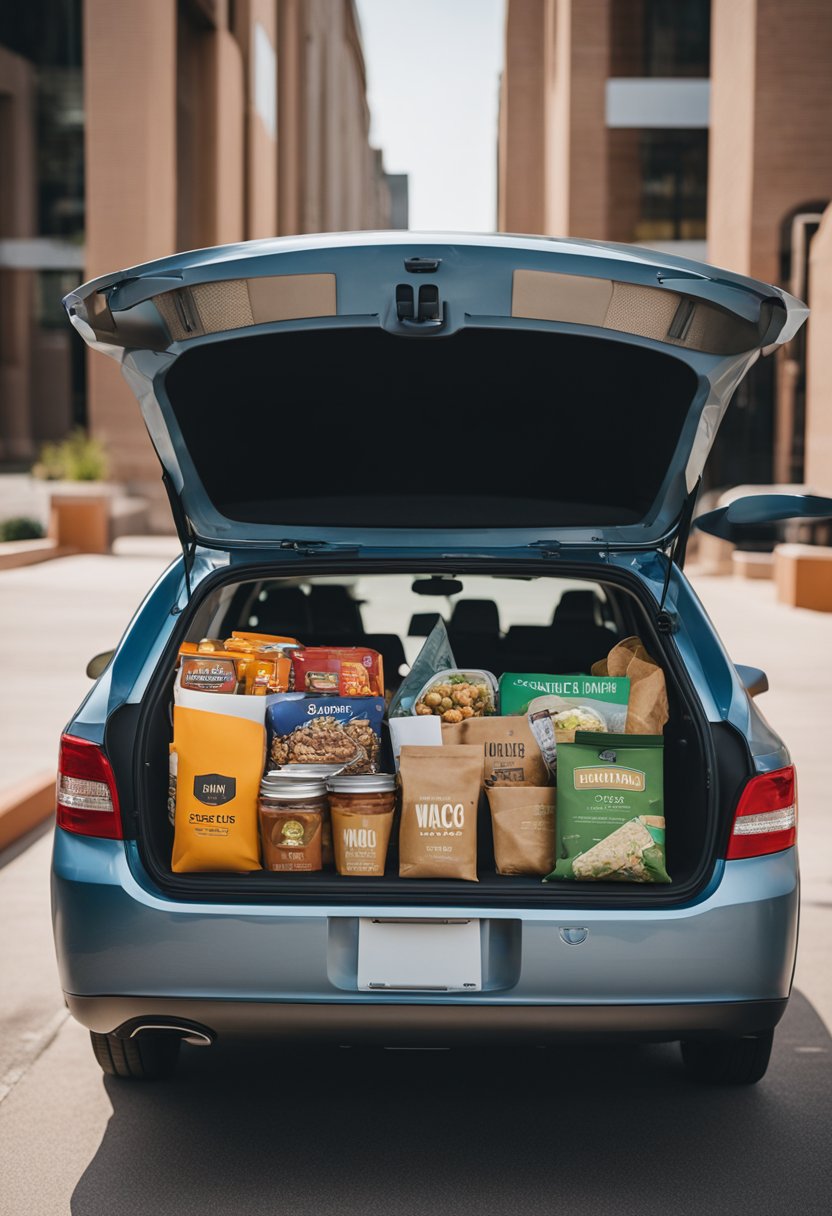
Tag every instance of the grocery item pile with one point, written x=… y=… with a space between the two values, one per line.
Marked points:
x=289 y=759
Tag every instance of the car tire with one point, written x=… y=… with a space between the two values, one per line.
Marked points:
x=148 y=1057
x=741 y=1061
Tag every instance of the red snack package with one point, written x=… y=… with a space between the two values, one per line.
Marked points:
x=338 y=671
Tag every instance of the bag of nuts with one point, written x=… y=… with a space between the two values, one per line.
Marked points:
x=325 y=730
x=454 y=695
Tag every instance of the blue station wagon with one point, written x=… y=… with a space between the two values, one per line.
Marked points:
x=361 y=434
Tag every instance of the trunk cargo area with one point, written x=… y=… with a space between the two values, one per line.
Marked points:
x=508 y=617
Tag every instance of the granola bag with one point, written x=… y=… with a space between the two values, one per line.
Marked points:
x=440 y=795
x=511 y=755
x=325 y=730
x=647 y=710
x=523 y=824
x=610 y=820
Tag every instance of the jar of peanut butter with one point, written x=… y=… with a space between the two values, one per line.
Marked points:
x=361 y=809
x=291 y=822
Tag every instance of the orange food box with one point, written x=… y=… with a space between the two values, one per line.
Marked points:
x=338 y=671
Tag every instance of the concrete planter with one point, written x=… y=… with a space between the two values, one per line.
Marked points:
x=80 y=515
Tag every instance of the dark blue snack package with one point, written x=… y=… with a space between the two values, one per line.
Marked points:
x=325 y=730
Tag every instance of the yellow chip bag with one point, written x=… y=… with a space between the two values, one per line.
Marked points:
x=219 y=763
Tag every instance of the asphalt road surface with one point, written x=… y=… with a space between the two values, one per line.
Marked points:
x=260 y=1129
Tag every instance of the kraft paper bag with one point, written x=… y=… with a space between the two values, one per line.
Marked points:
x=219 y=762
x=511 y=755
x=523 y=823
x=647 y=711
x=440 y=794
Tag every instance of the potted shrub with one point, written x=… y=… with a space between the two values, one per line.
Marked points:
x=81 y=499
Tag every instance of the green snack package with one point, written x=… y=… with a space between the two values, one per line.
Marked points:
x=604 y=697
x=610 y=817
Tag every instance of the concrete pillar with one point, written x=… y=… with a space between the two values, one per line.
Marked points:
x=228 y=173
x=731 y=139
x=521 y=185
x=577 y=143
x=255 y=28
x=17 y=214
x=771 y=151
x=819 y=362
x=290 y=116
x=553 y=147
x=130 y=150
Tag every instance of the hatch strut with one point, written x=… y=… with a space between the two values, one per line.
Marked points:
x=183 y=529
x=676 y=554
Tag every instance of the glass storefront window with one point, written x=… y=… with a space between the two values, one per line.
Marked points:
x=673 y=185
x=661 y=38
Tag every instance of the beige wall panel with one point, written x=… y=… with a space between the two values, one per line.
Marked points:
x=560 y=297
x=819 y=363
x=284 y=297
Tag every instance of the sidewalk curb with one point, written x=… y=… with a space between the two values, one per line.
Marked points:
x=25 y=805
x=17 y=553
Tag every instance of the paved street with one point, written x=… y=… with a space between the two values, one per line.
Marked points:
x=615 y=1130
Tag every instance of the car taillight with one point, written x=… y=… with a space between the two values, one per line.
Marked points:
x=766 y=817
x=87 y=801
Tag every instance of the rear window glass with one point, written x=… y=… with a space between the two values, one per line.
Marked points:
x=484 y=428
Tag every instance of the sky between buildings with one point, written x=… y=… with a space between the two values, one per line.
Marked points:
x=433 y=74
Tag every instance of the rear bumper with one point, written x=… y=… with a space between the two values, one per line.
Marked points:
x=116 y=939
x=401 y=1025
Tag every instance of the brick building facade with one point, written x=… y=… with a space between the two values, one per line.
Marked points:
x=197 y=122
x=701 y=126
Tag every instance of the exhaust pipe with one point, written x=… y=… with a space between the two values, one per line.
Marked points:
x=197 y=1036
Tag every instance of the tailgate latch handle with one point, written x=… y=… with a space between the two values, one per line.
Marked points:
x=420 y=313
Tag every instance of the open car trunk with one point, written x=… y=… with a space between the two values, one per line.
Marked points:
x=555 y=623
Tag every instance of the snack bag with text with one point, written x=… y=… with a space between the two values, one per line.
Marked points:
x=219 y=760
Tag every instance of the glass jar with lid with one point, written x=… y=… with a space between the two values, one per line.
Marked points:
x=361 y=809
x=292 y=811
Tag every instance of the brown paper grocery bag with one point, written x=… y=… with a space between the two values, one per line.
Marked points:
x=511 y=755
x=647 y=710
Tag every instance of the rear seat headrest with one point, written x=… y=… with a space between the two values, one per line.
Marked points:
x=476 y=616
x=578 y=606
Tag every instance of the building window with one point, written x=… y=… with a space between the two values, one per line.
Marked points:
x=666 y=38
x=673 y=186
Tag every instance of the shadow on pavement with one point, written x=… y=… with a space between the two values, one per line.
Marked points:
x=261 y=1129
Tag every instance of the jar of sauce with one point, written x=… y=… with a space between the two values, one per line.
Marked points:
x=291 y=822
x=361 y=809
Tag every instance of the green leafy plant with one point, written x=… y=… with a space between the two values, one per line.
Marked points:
x=76 y=458
x=20 y=527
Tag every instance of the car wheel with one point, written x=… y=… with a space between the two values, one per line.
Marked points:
x=148 y=1057
x=740 y=1061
